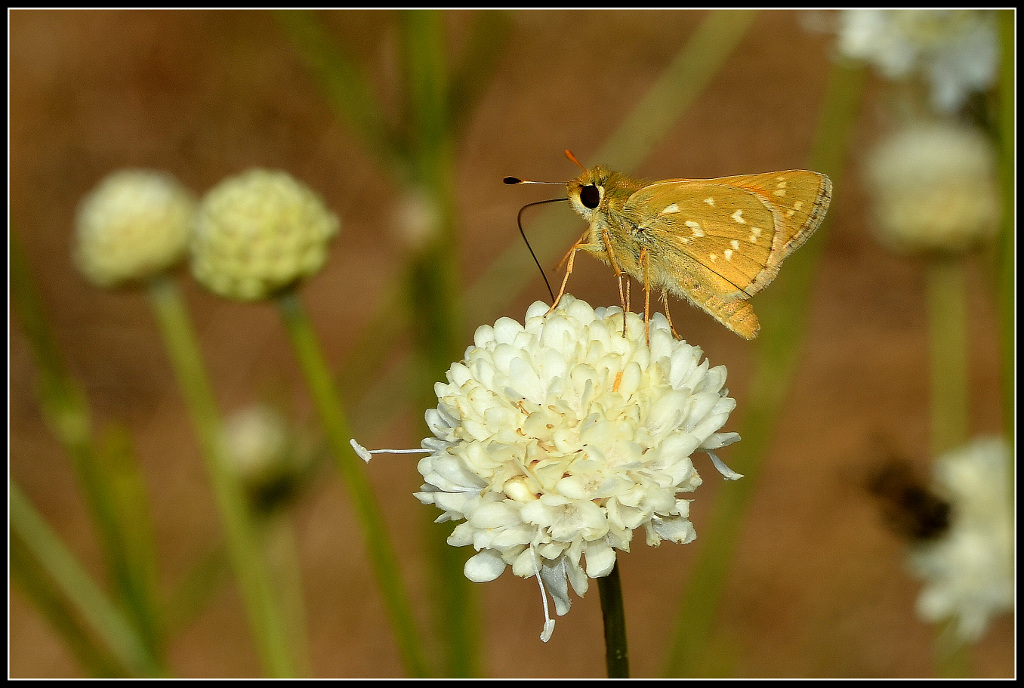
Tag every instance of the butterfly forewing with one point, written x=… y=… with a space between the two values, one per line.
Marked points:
x=799 y=199
x=729 y=234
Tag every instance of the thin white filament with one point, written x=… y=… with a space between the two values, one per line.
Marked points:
x=367 y=454
x=549 y=623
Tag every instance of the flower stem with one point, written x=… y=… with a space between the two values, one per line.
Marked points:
x=89 y=600
x=253 y=576
x=616 y=654
x=947 y=317
x=328 y=405
x=1006 y=252
x=108 y=474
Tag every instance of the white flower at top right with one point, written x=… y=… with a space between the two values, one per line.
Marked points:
x=969 y=571
x=955 y=51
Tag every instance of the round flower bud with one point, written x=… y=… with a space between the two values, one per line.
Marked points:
x=934 y=188
x=134 y=225
x=259 y=232
x=262 y=448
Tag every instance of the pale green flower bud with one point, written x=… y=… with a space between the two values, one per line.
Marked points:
x=259 y=232
x=134 y=225
x=934 y=188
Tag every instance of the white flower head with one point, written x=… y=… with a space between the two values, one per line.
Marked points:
x=554 y=440
x=955 y=51
x=968 y=570
x=934 y=188
x=133 y=225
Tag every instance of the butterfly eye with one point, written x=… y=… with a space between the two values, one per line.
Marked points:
x=590 y=197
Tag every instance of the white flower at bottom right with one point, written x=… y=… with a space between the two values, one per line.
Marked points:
x=969 y=570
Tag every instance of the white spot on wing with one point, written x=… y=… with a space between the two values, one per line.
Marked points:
x=713 y=257
x=674 y=208
x=738 y=217
x=728 y=253
x=735 y=245
x=695 y=227
x=779 y=192
x=710 y=201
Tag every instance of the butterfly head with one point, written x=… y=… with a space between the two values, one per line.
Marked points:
x=587 y=192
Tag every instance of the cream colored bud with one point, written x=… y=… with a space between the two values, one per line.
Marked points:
x=259 y=232
x=134 y=225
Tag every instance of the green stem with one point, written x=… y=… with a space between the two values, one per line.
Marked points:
x=432 y=295
x=952 y=655
x=109 y=476
x=265 y=620
x=784 y=309
x=1006 y=252
x=616 y=653
x=55 y=607
x=947 y=338
x=58 y=562
x=332 y=416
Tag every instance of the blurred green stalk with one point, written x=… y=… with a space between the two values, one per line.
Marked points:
x=432 y=288
x=947 y=340
x=332 y=416
x=54 y=558
x=109 y=474
x=784 y=308
x=265 y=619
x=1006 y=292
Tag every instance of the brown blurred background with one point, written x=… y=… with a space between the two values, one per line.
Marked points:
x=818 y=587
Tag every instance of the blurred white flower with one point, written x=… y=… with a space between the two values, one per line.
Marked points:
x=133 y=225
x=934 y=188
x=968 y=571
x=553 y=441
x=258 y=440
x=955 y=51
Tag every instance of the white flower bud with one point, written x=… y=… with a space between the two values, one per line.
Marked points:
x=132 y=226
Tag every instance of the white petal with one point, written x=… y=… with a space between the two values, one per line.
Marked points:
x=484 y=566
x=600 y=559
x=553 y=574
x=727 y=473
x=677 y=529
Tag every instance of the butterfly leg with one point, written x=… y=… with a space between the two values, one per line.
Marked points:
x=668 y=316
x=568 y=260
x=618 y=275
x=645 y=261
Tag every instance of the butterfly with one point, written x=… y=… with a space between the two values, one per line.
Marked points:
x=712 y=242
